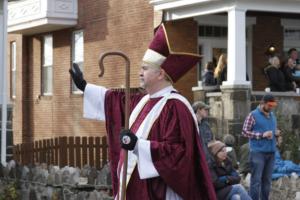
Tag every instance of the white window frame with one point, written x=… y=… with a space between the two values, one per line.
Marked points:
x=77 y=56
x=13 y=65
x=47 y=65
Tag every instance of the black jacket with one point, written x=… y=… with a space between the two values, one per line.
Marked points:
x=288 y=74
x=222 y=76
x=209 y=79
x=219 y=172
x=276 y=78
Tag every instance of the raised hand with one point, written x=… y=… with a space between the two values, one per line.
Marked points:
x=77 y=77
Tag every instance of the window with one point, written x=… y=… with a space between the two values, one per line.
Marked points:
x=291 y=40
x=292 y=34
x=13 y=67
x=212 y=31
x=47 y=65
x=77 y=54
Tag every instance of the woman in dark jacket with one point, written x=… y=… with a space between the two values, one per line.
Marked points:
x=275 y=75
x=208 y=77
x=288 y=69
x=225 y=179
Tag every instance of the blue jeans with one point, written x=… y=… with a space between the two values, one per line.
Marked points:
x=238 y=192
x=261 y=165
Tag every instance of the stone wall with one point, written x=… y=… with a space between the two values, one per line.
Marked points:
x=287 y=188
x=40 y=181
x=230 y=106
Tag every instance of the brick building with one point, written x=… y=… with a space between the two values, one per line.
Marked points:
x=45 y=102
x=42 y=47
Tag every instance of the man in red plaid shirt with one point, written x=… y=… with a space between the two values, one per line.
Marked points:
x=260 y=127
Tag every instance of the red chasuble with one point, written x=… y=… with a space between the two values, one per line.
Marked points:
x=175 y=149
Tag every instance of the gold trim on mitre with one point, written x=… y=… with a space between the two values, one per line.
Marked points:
x=174 y=52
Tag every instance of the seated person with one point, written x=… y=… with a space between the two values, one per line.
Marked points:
x=283 y=167
x=225 y=179
x=244 y=166
x=275 y=75
x=229 y=141
x=208 y=77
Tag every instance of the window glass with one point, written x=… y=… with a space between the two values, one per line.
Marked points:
x=292 y=34
x=212 y=31
x=13 y=62
x=77 y=54
x=47 y=68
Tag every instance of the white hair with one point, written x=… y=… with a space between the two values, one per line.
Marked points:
x=273 y=59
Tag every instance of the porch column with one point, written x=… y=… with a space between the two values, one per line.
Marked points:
x=236 y=90
x=3 y=79
x=236 y=56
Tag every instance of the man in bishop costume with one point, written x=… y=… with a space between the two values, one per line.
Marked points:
x=165 y=157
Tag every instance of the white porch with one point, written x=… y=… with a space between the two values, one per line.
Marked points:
x=238 y=50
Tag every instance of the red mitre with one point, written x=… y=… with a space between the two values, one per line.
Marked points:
x=160 y=54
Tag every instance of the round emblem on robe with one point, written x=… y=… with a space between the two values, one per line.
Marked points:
x=126 y=139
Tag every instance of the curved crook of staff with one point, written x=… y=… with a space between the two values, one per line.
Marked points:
x=127 y=102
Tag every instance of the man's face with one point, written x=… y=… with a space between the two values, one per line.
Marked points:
x=149 y=76
x=267 y=107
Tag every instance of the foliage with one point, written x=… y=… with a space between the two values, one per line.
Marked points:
x=10 y=192
x=291 y=143
x=291 y=139
x=55 y=196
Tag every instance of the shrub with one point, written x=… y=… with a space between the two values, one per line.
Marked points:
x=291 y=139
x=10 y=192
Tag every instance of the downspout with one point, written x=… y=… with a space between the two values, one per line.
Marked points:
x=3 y=72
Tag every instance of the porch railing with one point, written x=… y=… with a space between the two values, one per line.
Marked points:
x=64 y=151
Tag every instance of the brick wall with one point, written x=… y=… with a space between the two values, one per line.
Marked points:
x=17 y=102
x=107 y=25
x=267 y=31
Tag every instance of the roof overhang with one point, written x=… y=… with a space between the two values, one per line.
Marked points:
x=179 y=9
x=36 y=16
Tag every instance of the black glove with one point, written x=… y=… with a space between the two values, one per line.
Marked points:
x=77 y=77
x=128 y=140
